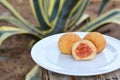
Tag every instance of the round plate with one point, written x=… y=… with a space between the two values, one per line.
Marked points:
x=46 y=54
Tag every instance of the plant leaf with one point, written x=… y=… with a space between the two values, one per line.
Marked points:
x=47 y=7
x=65 y=13
x=103 y=4
x=55 y=19
x=13 y=11
x=9 y=7
x=53 y=8
x=84 y=17
x=17 y=23
x=33 y=74
x=110 y=17
x=13 y=21
x=77 y=12
x=32 y=42
x=61 y=13
x=6 y=32
x=42 y=11
x=40 y=14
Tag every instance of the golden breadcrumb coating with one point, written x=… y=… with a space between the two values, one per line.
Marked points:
x=97 y=39
x=66 y=42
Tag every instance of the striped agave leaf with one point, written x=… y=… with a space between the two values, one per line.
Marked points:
x=13 y=21
x=6 y=31
x=110 y=17
x=55 y=16
x=103 y=4
x=84 y=17
x=77 y=13
x=32 y=74
x=19 y=24
x=19 y=17
x=9 y=7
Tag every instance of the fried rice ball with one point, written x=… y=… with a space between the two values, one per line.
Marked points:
x=97 y=39
x=66 y=42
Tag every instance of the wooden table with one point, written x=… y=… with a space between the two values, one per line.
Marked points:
x=48 y=75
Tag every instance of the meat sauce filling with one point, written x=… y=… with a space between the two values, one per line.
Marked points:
x=83 y=50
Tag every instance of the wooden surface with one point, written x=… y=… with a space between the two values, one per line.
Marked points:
x=48 y=75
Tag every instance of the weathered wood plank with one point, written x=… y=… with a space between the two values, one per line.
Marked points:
x=87 y=78
x=48 y=75
x=56 y=76
x=73 y=78
x=45 y=75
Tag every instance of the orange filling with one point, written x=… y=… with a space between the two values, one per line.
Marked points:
x=83 y=50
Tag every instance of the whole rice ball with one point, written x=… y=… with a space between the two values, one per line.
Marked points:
x=97 y=39
x=66 y=42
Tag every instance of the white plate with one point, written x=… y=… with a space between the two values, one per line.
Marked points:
x=46 y=54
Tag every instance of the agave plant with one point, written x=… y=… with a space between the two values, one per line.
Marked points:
x=54 y=16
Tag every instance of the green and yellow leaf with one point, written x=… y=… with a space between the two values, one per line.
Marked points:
x=76 y=13
x=6 y=32
x=7 y=5
x=32 y=75
x=69 y=8
x=40 y=14
x=84 y=17
x=19 y=17
x=102 y=6
x=110 y=17
x=13 y=21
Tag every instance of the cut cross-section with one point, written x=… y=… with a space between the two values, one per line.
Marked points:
x=83 y=50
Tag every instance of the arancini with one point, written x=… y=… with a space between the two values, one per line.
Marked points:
x=97 y=39
x=83 y=50
x=66 y=42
